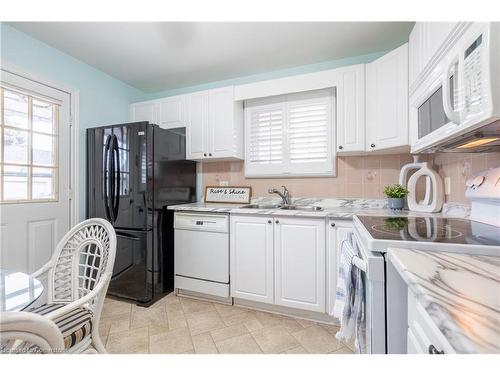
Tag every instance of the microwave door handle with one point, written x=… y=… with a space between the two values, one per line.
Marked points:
x=453 y=116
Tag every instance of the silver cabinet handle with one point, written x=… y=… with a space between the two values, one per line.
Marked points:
x=332 y=224
x=277 y=221
x=270 y=221
x=372 y=145
x=341 y=147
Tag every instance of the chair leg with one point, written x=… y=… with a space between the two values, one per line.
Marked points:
x=97 y=343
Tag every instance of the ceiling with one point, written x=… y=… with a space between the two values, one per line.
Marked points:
x=155 y=56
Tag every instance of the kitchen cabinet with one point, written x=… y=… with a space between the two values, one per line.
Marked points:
x=215 y=125
x=172 y=112
x=145 y=111
x=299 y=253
x=425 y=43
x=197 y=129
x=387 y=101
x=251 y=254
x=350 y=93
x=280 y=261
x=423 y=336
x=337 y=232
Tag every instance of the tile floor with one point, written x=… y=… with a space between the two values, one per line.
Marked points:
x=184 y=325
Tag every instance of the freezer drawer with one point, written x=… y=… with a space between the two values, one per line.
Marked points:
x=202 y=255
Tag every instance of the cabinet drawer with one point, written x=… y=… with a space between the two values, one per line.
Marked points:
x=424 y=331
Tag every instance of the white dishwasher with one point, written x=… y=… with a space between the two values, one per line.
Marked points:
x=201 y=253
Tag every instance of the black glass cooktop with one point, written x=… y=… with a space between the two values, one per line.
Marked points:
x=431 y=229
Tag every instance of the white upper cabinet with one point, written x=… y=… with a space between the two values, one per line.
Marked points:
x=225 y=123
x=299 y=251
x=215 y=125
x=350 y=95
x=197 y=129
x=167 y=112
x=387 y=101
x=426 y=42
x=251 y=254
x=172 y=112
x=145 y=111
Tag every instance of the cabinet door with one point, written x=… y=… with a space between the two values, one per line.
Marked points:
x=147 y=111
x=415 y=53
x=299 y=251
x=337 y=231
x=387 y=100
x=350 y=97
x=197 y=129
x=221 y=123
x=251 y=254
x=172 y=112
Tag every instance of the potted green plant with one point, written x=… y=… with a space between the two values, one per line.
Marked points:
x=396 y=195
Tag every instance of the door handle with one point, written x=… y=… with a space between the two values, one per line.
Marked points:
x=116 y=193
x=453 y=116
x=106 y=179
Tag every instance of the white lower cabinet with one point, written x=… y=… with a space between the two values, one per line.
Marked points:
x=252 y=263
x=337 y=232
x=299 y=253
x=424 y=336
x=279 y=261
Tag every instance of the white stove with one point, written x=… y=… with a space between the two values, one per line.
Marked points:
x=373 y=235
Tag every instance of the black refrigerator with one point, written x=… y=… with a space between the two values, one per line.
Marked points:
x=134 y=171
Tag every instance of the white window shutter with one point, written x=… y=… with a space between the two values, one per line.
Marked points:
x=290 y=135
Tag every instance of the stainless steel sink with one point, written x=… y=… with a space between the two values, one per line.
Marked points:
x=302 y=208
x=282 y=207
x=262 y=206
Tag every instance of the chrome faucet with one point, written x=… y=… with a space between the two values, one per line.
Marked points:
x=285 y=196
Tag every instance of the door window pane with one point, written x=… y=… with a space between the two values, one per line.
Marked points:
x=15 y=182
x=43 y=150
x=15 y=109
x=28 y=148
x=15 y=146
x=43 y=183
x=43 y=117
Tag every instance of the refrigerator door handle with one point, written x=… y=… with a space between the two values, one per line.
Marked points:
x=116 y=177
x=106 y=179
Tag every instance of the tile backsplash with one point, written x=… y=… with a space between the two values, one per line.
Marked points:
x=357 y=176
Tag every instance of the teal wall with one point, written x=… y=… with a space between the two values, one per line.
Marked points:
x=104 y=99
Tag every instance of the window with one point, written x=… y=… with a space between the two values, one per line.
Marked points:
x=28 y=152
x=290 y=135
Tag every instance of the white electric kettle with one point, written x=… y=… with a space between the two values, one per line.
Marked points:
x=433 y=198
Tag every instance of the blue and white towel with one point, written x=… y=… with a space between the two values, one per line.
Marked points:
x=349 y=297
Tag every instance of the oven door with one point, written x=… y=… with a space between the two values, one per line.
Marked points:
x=372 y=330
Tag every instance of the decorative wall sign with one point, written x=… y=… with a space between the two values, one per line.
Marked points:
x=228 y=194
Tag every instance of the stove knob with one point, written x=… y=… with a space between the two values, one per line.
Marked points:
x=478 y=180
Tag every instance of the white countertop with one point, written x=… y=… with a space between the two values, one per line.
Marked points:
x=332 y=208
x=461 y=293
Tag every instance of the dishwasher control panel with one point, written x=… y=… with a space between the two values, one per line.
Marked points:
x=203 y=222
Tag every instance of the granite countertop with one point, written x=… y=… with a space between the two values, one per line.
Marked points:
x=332 y=208
x=461 y=293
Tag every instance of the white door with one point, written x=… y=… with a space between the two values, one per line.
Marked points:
x=221 y=124
x=337 y=232
x=299 y=250
x=172 y=112
x=252 y=263
x=351 y=110
x=197 y=130
x=387 y=100
x=35 y=171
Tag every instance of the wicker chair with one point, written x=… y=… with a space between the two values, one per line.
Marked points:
x=78 y=276
x=26 y=333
